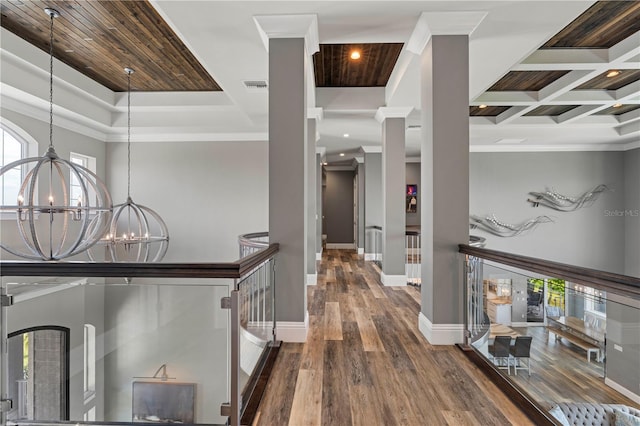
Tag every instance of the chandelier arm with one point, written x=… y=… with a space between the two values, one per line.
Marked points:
x=34 y=242
x=164 y=235
x=143 y=229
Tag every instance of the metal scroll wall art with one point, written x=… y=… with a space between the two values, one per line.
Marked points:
x=492 y=225
x=563 y=203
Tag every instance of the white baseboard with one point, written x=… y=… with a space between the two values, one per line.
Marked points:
x=360 y=250
x=440 y=334
x=393 y=280
x=319 y=255
x=626 y=392
x=372 y=256
x=339 y=246
x=293 y=331
x=312 y=279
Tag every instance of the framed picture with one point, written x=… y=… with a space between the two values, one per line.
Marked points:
x=161 y=402
x=412 y=198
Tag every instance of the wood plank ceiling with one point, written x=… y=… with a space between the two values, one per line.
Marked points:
x=334 y=67
x=602 y=26
x=100 y=38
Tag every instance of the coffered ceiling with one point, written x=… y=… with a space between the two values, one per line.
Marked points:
x=538 y=70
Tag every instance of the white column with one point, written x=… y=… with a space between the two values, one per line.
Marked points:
x=445 y=168
x=290 y=40
x=320 y=153
x=372 y=198
x=393 y=198
x=360 y=197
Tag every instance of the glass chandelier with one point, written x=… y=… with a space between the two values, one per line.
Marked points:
x=49 y=225
x=136 y=233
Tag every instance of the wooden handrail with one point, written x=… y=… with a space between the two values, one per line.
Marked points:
x=138 y=270
x=615 y=283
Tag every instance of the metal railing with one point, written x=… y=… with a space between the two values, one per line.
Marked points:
x=413 y=257
x=250 y=243
x=245 y=287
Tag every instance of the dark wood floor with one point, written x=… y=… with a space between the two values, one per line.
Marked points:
x=366 y=363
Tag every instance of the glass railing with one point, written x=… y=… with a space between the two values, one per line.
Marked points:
x=96 y=343
x=558 y=335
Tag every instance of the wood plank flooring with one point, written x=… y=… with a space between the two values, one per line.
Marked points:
x=366 y=363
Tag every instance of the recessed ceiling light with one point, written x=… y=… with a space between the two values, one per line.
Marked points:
x=346 y=135
x=342 y=154
x=325 y=164
x=617 y=105
x=355 y=54
x=483 y=106
x=613 y=73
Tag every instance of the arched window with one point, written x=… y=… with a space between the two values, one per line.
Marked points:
x=14 y=145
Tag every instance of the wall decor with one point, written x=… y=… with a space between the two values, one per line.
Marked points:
x=551 y=199
x=492 y=225
x=162 y=402
x=411 y=205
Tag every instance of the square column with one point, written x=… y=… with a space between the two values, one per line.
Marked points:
x=372 y=200
x=312 y=275
x=445 y=169
x=290 y=42
x=393 y=190
x=320 y=152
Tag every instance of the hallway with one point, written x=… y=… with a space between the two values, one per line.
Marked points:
x=366 y=363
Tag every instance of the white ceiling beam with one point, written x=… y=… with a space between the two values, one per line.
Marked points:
x=626 y=49
x=513 y=113
x=630 y=91
x=629 y=116
x=496 y=98
x=629 y=128
x=579 y=112
x=564 y=59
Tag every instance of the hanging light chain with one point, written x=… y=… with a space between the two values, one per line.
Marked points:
x=52 y=15
x=129 y=71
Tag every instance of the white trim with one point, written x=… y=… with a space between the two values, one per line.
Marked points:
x=312 y=279
x=392 y=112
x=348 y=168
x=626 y=392
x=360 y=251
x=293 y=331
x=632 y=145
x=553 y=148
x=369 y=256
x=371 y=149
x=289 y=26
x=315 y=113
x=393 y=280
x=413 y=160
x=321 y=150
x=339 y=246
x=319 y=255
x=440 y=334
x=442 y=23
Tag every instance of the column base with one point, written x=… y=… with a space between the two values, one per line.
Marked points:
x=440 y=334
x=393 y=280
x=319 y=255
x=312 y=279
x=360 y=250
x=293 y=331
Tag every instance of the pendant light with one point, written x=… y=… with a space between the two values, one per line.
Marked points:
x=49 y=225
x=136 y=233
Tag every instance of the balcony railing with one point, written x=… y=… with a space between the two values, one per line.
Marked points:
x=582 y=324
x=209 y=326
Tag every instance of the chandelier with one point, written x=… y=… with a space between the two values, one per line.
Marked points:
x=136 y=233
x=51 y=226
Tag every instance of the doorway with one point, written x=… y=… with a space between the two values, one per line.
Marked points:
x=38 y=374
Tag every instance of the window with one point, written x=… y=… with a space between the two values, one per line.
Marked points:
x=11 y=149
x=75 y=190
x=89 y=361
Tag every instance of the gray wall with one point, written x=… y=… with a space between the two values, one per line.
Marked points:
x=372 y=196
x=623 y=343
x=338 y=207
x=632 y=212
x=500 y=183
x=208 y=193
x=413 y=178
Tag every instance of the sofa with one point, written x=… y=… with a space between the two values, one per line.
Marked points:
x=588 y=414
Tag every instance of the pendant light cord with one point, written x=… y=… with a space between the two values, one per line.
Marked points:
x=52 y=16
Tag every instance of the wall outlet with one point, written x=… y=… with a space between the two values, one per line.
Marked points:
x=617 y=347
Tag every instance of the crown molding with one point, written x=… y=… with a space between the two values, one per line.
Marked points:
x=442 y=23
x=321 y=150
x=289 y=26
x=552 y=148
x=392 y=112
x=315 y=113
x=371 y=149
x=343 y=168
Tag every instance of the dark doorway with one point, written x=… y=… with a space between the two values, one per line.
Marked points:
x=39 y=373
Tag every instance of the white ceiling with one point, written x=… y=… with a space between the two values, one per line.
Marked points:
x=224 y=37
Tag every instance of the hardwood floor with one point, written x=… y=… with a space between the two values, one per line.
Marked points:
x=366 y=363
